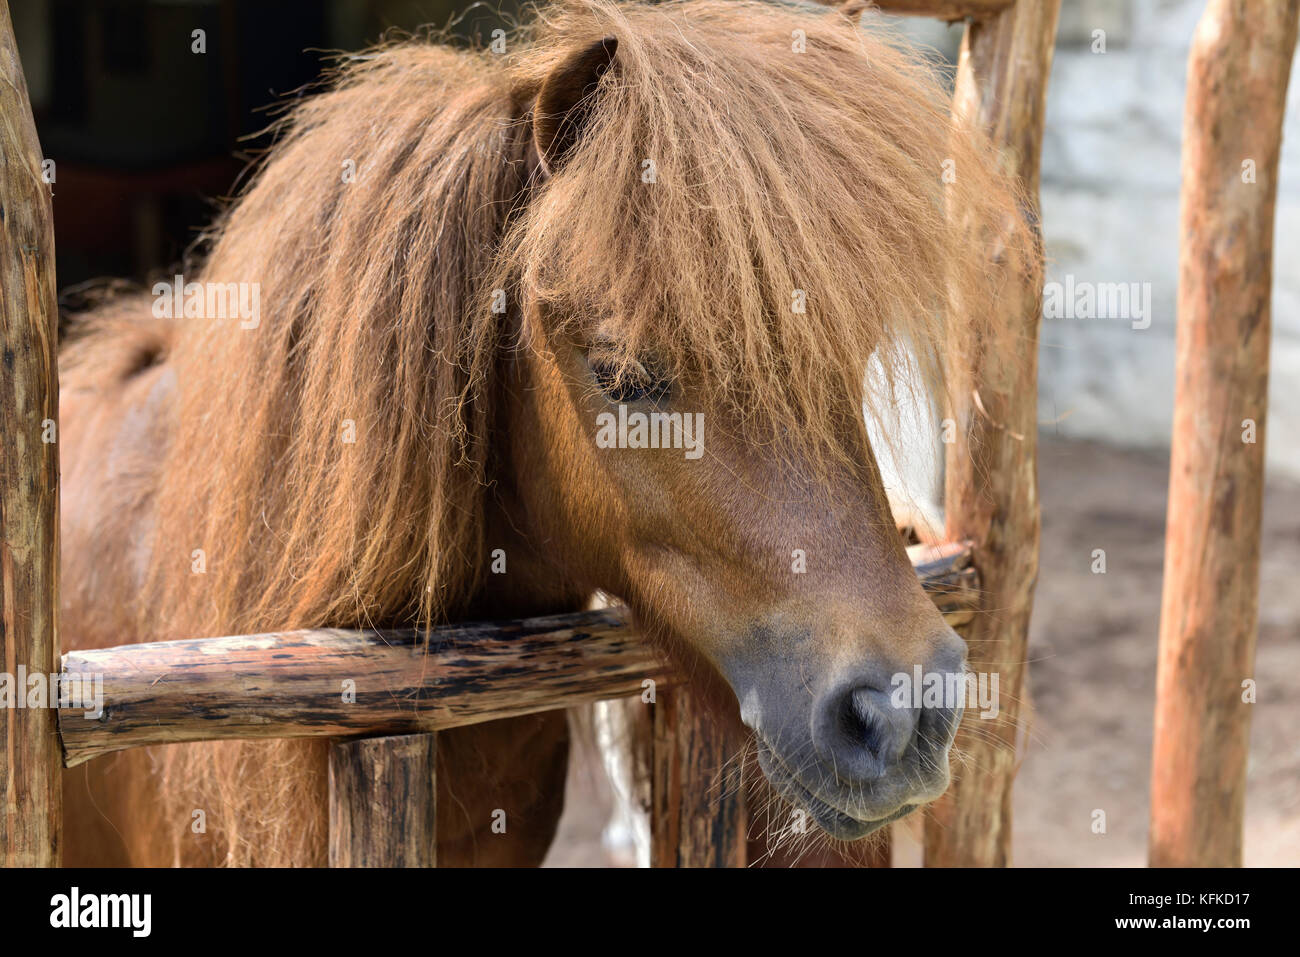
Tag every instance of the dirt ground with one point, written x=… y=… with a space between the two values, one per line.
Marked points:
x=1092 y=677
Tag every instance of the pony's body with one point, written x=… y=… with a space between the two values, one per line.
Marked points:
x=357 y=455
x=115 y=438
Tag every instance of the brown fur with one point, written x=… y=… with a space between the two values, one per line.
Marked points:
x=776 y=172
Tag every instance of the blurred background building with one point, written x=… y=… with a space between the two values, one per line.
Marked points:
x=1111 y=178
x=146 y=133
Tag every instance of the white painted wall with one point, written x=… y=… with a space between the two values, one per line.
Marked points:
x=1111 y=179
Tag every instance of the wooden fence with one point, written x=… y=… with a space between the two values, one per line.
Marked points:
x=200 y=690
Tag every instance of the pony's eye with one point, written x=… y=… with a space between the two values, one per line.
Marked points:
x=639 y=383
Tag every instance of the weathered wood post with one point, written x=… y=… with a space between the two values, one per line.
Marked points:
x=1232 y=129
x=383 y=802
x=698 y=801
x=991 y=480
x=30 y=761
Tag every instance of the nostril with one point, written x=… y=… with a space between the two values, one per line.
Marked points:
x=860 y=722
x=867 y=734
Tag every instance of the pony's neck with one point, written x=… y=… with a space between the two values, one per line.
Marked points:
x=521 y=578
x=522 y=575
x=529 y=585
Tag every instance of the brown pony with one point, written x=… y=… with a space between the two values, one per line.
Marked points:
x=473 y=271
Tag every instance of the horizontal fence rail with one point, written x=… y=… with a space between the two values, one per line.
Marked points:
x=338 y=683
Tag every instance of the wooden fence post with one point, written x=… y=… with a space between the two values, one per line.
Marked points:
x=383 y=802
x=1236 y=93
x=30 y=758
x=991 y=493
x=697 y=798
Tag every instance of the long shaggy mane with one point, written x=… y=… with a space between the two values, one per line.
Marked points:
x=767 y=218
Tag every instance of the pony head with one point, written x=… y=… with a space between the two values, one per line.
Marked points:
x=735 y=208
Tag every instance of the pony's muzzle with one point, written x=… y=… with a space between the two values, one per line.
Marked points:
x=875 y=722
x=865 y=741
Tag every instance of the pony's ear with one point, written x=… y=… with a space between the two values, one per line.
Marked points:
x=564 y=103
